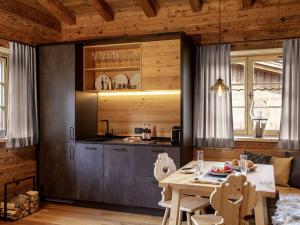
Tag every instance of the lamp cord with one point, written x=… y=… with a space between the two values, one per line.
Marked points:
x=219 y=47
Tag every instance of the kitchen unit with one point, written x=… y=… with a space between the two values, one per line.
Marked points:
x=102 y=169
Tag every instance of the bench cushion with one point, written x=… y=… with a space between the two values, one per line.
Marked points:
x=284 y=191
x=295 y=171
x=282 y=168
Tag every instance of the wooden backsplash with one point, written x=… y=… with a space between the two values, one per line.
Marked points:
x=127 y=112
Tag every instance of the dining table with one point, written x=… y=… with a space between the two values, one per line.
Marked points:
x=180 y=183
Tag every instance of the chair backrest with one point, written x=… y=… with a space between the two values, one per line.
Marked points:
x=234 y=199
x=163 y=166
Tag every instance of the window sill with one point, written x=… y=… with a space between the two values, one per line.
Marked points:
x=254 y=139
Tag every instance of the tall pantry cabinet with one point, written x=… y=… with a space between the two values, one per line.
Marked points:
x=60 y=106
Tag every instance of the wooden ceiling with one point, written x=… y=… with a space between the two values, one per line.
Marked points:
x=242 y=21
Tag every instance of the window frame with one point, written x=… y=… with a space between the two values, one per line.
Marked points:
x=249 y=72
x=4 y=54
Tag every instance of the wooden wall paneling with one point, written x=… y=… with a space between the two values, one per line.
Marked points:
x=4 y=43
x=103 y=9
x=59 y=11
x=265 y=148
x=247 y=3
x=149 y=7
x=161 y=65
x=127 y=112
x=30 y=14
x=15 y=164
x=196 y=5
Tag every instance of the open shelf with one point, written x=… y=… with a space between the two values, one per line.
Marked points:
x=105 y=60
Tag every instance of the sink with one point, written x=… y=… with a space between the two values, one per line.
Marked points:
x=98 y=139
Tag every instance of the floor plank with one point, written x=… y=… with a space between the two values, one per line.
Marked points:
x=57 y=214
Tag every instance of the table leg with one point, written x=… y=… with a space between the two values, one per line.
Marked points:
x=261 y=212
x=175 y=206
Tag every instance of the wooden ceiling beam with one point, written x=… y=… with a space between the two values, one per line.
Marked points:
x=30 y=14
x=247 y=3
x=149 y=7
x=196 y=5
x=103 y=9
x=59 y=11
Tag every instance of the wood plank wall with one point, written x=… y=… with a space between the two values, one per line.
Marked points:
x=4 y=43
x=127 y=112
x=16 y=164
x=258 y=147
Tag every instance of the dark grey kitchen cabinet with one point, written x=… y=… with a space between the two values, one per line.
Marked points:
x=57 y=170
x=89 y=172
x=146 y=191
x=118 y=174
x=59 y=67
x=57 y=93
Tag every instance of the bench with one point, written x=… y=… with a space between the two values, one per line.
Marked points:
x=284 y=191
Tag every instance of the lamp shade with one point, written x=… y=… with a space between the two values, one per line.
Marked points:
x=219 y=87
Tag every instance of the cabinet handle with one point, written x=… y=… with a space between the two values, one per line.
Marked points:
x=72 y=133
x=120 y=149
x=73 y=152
x=90 y=148
x=70 y=152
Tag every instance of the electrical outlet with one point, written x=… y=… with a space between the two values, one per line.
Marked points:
x=138 y=130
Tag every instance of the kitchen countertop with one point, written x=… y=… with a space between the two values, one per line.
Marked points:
x=119 y=141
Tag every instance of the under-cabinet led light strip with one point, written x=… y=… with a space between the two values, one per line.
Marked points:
x=134 y=93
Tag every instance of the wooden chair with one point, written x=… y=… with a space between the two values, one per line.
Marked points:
x=232 y=200
x=164 y=166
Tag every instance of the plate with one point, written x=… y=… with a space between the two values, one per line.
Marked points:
x=219 y=174
x=103 y=82
x=135 y=80
x=188 y=171
x=121 y=81
x=237 y=168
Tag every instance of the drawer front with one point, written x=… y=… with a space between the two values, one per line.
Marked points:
x=89 y=170
x=146 y=192
x=118 y=160
x=118 y=174
x=145 y=157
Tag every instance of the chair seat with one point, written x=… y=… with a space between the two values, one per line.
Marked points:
x=188 y=203
x=210 y=219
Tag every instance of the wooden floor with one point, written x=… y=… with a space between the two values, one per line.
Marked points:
x=56 y=214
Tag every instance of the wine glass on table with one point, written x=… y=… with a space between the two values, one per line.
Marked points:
x=199 y=162
x=244 y=164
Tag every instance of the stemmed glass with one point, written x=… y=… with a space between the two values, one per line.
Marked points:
x=199 y=162
x=244 y=164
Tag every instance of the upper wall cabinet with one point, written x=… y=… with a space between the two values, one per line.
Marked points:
x=161 y=65
x=151 y=65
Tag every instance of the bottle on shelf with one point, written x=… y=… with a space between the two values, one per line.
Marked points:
x=144 y=132
x=149 y=133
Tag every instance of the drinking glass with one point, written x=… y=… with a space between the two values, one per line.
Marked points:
x=243 y=164
x=199 y=162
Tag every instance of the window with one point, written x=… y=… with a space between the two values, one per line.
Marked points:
x=3 y=93
x=256 y=79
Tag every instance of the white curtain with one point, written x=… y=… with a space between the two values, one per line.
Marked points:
x=289 y=137
x=213 y=123
x=22 y=121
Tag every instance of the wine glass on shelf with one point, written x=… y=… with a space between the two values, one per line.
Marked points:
x=199 y=162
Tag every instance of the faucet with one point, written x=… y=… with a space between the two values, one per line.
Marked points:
x=107 y=134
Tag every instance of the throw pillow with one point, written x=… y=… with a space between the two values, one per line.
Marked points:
x=282 y=168
x=257 y=158
x=295 y=171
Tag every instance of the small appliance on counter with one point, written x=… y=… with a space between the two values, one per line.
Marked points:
x=175 y=135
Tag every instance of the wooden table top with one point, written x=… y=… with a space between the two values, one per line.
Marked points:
x=263 y=178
